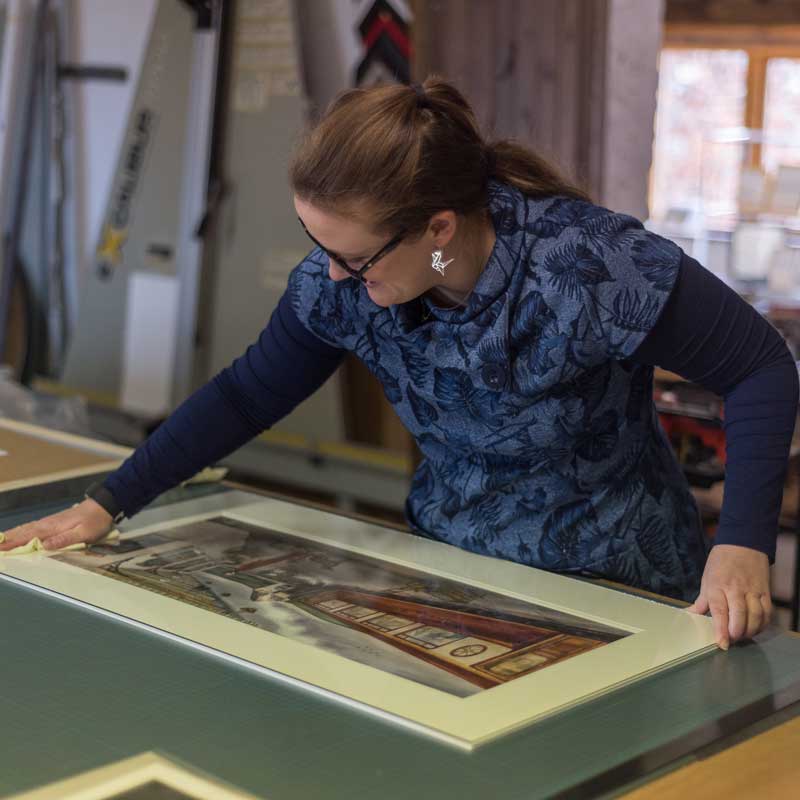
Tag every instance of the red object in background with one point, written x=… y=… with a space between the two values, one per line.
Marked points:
x=709 y=432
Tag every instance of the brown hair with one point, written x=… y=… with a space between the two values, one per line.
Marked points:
x=405 y=154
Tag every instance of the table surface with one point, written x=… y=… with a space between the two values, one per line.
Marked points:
x=83 y=690
x=763 y=766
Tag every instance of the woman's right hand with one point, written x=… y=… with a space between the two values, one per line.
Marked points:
x=86 y=522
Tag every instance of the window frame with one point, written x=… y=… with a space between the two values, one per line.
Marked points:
x=761 y=43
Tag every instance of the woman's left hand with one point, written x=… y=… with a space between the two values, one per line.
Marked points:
x=735 y=587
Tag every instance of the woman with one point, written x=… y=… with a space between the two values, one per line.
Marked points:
x=514 y=326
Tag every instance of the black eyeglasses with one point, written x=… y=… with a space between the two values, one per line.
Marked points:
x=357 y=273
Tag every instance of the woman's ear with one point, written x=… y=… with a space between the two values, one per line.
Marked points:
x=443 y=227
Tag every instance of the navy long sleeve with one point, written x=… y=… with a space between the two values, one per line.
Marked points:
x=284 y=366
x=711 y=336
x=706 y=333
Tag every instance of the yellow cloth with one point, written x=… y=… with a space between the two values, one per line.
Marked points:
x=35 y=545
x=208 y=475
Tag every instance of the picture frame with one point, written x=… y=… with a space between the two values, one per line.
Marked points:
x=639 y=636
x=145 y=775
x=31 y=455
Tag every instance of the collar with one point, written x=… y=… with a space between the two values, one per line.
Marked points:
x=508 y=209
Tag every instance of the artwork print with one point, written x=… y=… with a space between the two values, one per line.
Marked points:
x=439 y=632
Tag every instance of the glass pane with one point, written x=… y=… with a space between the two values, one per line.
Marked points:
x=782 y=113
x=699 y=92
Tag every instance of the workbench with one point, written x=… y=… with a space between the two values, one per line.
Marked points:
x=82 y=690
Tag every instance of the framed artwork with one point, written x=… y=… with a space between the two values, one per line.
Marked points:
x=455 y=645
x=148 y=776
x=31 y=454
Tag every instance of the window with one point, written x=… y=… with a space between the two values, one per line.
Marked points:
x=728 y=98
x=700 y=92
x=782 y=113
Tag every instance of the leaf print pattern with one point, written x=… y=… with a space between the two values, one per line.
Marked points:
x=492 y=351
x=655 y=257
x=609 y=233
x=416 y=363
x=505 y=219
x=533 y=318
x=497 y=471
x=656 y=546
x=368 y=350
x=425 y=413
x=590 y=385
x=474 y=333
x=633 y=313
x=454 y=391
x=597 y=442
x=535 y=327
x=391 y=385
x=539 y=439
x=574 y=267
x=447 y=341
x=563 y=212
x=330 y=317
x=570 y=534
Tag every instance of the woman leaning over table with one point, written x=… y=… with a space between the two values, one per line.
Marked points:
x=514 y=325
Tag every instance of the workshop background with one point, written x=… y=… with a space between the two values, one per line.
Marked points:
x=148 y=227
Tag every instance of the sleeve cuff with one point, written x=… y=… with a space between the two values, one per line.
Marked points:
x=743 y=537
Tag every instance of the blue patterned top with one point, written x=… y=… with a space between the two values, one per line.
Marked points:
x=541 y=442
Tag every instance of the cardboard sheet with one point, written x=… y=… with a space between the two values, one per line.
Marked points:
x=33 y=455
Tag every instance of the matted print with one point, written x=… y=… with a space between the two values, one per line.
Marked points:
x=458 y=646
x=148 y=776
x=436 y=631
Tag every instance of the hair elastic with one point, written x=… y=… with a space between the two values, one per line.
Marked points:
x=422 y=98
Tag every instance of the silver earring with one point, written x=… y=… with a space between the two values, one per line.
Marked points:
x=437 y=263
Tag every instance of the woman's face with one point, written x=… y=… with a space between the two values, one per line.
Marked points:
x=397 y=277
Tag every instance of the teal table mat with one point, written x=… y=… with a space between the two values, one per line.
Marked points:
x=81 y=690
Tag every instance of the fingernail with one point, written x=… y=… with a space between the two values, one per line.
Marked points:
x=723 y=645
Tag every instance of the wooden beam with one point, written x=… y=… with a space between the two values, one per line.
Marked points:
x=754 y=106
x=772 y=39
x=733 y=12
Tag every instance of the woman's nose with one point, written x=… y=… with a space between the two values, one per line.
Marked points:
x=335 y=271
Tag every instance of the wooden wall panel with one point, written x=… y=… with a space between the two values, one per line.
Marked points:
x=541 y=71
x=496 y=107
x=590 y=59
x=526 y=66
